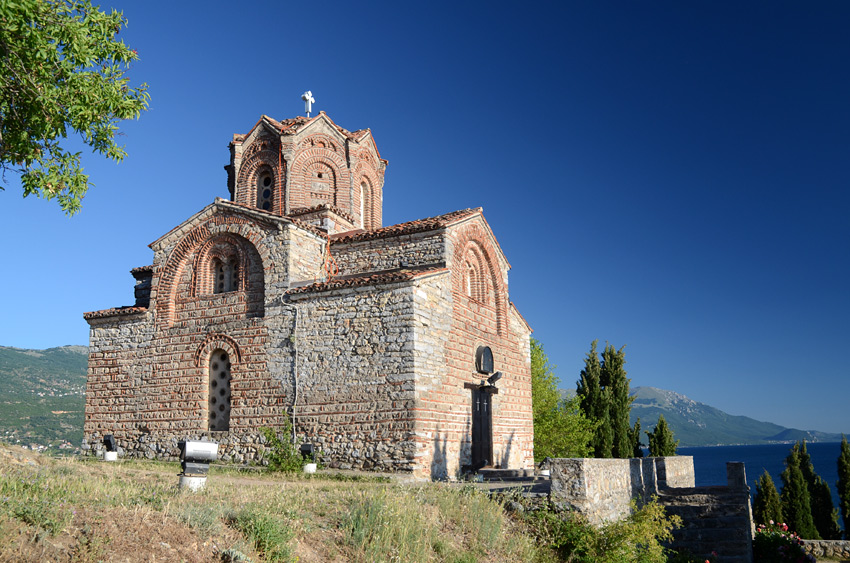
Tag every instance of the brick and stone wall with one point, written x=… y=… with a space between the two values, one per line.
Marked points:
x=356 y=375
x=361 y=254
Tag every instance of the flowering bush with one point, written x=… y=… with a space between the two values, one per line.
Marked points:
x=774 y=542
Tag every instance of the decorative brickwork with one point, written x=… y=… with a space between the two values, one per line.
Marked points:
x=296 y=303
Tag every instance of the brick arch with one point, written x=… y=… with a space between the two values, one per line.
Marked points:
x=316 y=138
x=177 y=261
x=224 y=246
x=217 y=341
x=299 y=183
x=246 y=188
x=372 y=207
x=475 y=274
x=472 y=238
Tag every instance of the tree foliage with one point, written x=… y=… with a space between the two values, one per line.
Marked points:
x=560 y=429
x=843 y=484
x=603 y=391
x=62 y=70
x=661 y=442
x=824 y=513
x=767 y=507
x=796 y=503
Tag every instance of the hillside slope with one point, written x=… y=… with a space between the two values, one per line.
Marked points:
x=43 y=396
x=697 y=424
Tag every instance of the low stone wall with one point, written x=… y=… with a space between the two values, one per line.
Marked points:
x=602 y=489
x=675 y=471
x=833 y=549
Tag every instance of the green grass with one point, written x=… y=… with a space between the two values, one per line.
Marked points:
x=257 y=517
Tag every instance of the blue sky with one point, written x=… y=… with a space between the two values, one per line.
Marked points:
x=669 y=176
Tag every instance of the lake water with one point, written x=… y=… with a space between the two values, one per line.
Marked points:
x=710 y=463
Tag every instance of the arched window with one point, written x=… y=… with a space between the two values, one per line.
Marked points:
x=363 y=205
x=366 y=204
x=474 y=282
x=219 y=391
x=265 y=189
x=484 y=360
x=225 y=275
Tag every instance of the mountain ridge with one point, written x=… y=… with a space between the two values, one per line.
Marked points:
x=698 y=424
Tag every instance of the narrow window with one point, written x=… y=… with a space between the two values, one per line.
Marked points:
x=363 y=204
x=219 y=391
x=225 y=275
x=265 y=190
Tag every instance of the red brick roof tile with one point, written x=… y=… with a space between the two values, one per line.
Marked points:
x=321 y=207
x=410 y=227
x=142 y=270
x=371 y=279
x=114 y=312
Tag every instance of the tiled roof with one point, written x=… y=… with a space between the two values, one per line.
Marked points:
x=293 y=125
x=142 y=270
x=321 y=207
x=302 y=224
x=418 y=226
x=114 y=312
x=288 y=126
x=371 y=279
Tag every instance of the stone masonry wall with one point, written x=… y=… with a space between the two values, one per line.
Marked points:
x=356 y=376
x=115 y=373
x=601 y=489
x=387 y=253
x=675 y=471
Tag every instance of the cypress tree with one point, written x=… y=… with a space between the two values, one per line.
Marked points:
x=593 y=403
x=614 y=380
x=766 y=504
x=796 y=504
x=634 y=436
x=661 y=441
x=824 y=513
x=843 y=484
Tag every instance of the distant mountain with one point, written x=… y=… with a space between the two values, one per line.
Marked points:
x=42 y=395
x=697 y=424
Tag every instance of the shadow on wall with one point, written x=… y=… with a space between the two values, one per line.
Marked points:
x=506 y=455
x=439 y=463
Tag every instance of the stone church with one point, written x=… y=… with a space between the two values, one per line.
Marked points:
x=390 y=348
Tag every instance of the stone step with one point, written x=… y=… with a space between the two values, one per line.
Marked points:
x=487 y=474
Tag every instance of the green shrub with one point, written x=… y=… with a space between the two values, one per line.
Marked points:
x=280 y=452
x=775 y=543
x=638 y=538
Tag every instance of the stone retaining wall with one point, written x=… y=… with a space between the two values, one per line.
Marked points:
x=714 y=519
x=602 y=489
x=833 y=549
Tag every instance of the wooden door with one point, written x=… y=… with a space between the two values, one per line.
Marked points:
x=482 y=428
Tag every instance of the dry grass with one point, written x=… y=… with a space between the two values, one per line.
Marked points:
x=82 y=510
